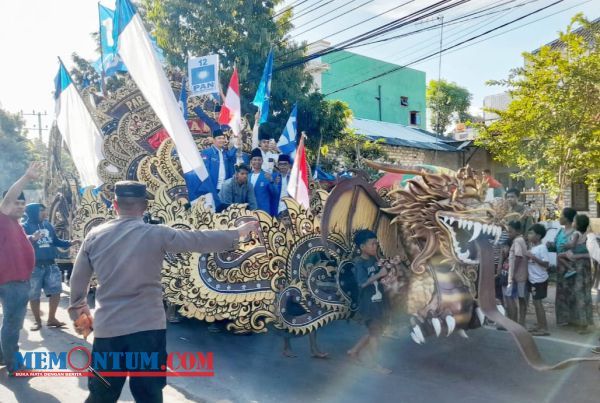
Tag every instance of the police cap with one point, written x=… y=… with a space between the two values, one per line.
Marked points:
x=130 y=189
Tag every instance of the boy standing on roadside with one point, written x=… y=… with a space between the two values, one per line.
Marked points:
x=537 y=268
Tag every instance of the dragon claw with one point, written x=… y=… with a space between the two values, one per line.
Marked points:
x=480 y=315
x=419 y=333
x=415 y=338
x=437 y=326
x=451 y=324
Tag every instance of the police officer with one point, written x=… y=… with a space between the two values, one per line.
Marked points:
x=127 y=255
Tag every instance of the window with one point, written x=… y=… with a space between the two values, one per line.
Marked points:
x=579 y=197
x=403 y=101
x=415 y=118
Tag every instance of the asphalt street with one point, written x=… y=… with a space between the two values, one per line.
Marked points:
x=486 y=367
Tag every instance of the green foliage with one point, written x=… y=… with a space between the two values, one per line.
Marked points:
x=551 y=129
x=15 y=149
x=83 y=68
x=242 y=33
x=347 y=151
x=445 y=100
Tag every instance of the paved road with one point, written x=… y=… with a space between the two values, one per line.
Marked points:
x=485 y=368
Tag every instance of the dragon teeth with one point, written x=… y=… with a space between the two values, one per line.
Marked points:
x=476 y=231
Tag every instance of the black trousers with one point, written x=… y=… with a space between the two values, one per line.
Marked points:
x=143 y=389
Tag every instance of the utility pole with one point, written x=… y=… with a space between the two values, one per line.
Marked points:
x=39 y=127
x=441 y=18
x=378 y=98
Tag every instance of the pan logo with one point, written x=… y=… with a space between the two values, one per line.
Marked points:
x=80 y=361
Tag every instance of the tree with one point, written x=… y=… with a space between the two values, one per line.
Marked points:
x=242 y=33
x=551 y=129
x=348 y=152
x=445 y=100
x=15 y=148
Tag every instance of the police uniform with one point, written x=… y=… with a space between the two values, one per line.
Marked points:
x=126 y=256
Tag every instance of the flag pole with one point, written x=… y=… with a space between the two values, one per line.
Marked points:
x=102 y=72
x=318 y=156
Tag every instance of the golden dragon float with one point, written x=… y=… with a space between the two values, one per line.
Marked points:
x=436 y=235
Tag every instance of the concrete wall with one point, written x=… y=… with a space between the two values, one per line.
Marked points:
x=346 y=68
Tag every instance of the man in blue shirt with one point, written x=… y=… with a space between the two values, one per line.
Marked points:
x=280 y=183
x=46 y=274
x=261 y=182
x=218 y=161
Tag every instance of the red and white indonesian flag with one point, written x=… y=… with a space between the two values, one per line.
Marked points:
x=231 y=110
x=298 y=184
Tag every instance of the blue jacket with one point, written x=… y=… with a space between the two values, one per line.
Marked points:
x=262 y=191
x=45 y=247
x=211 y=161
x=276 y=192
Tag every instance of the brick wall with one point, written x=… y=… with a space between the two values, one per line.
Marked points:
x=412 y=156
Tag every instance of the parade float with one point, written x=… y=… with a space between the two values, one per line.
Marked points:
x=435 y=234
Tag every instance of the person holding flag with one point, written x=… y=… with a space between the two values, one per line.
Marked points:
x=136 y=50
x=261 y=99
x=287 y=140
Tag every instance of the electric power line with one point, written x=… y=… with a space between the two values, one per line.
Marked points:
x=353 y=26
x=446 y=49
x=383 y=29
x=300 y=15
x=333 y=18
x=291 y=6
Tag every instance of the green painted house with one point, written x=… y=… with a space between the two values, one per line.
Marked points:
x=398 y=97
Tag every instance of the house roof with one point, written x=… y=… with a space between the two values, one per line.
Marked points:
x=587 y=34
x=395 y=134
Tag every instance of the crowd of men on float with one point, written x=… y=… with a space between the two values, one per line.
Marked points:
x=259 y=180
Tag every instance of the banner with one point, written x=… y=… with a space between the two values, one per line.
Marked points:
x=203 y=73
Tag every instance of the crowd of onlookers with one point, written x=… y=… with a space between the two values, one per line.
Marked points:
x=524 y=267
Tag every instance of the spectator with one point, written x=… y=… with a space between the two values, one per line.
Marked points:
x=517 y=274
x=494 y=187
x=261 y=182
x=580 y=284
x=18 y=259
x=512 y=196
x=237 y=190
x=46 y=274
x=563 y=292
x=537 y=267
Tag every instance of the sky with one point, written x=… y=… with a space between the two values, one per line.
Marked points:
x=34 y=32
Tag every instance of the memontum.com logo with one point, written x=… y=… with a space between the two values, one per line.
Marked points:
x=79 y=361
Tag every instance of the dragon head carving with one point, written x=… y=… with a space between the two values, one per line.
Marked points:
x=446 y=214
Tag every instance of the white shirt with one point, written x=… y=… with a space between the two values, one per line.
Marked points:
x=254 y=178
x=222 y=173
x=269 y=160
x=538 y=274
x=284 y=193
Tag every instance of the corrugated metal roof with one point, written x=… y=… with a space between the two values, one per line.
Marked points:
x=399 y=135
